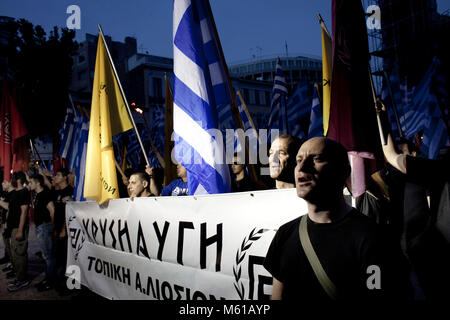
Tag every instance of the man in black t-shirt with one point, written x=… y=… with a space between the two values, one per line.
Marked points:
x=4 y=200
x=17 y=222
x=61 y=197
x=44 y=213
x=348 y=245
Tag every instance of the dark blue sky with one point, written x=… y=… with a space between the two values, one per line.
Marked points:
x=246 y=27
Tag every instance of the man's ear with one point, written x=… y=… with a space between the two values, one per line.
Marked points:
x=145 y=184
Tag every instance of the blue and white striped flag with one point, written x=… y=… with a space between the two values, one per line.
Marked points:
x=424 y=113
x=79 y=157
x=393 y=101
x=298 y=108
x=316 y=121
x=252 y=134
x=278 y=117
x=66 y=133
x=200 y=91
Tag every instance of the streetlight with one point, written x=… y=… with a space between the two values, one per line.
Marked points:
x=154 y=149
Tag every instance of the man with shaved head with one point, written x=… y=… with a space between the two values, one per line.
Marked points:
x=354 y=261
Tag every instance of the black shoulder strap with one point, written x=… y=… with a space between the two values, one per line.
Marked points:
x=320 y=273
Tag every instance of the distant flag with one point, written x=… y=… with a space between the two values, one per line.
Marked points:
x=353 y=121
x=67 y=133
x=298 y=108
x=13 y=142
x=109 y=117
x=316 y=122
x=157 y=138
x=278 y=116
x=79 y=157
x=391 y=97
x=326 y=73
x=200 y=90
x=424 y=113
x=247 y=121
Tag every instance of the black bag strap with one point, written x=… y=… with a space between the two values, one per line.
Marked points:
x=320 y=273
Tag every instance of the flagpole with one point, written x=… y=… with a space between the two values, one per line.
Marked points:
x=123 y=94
x=375 y=101
x=234 y=108
x=33 y=148
x=322 y=23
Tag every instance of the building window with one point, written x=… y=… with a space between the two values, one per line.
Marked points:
x=246 y=95
x=82 y=75
x=267 y=95
x=257 y=98
x=81 y=59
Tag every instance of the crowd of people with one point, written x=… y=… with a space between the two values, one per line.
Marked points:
x=401 y=225
x=42 y=198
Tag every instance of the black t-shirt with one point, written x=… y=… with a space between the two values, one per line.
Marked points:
x=243 y=185
x=6 y=197
x=41 y=213
x=18 y=199
x=345 y=248
x=60 y=206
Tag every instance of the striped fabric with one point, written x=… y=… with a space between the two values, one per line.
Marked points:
x=424 y=113
x=66 y=133
x=316 y=120
x=157 y=134
x=277 y=117
x=394 y=101
x=298 y=107
x=200 y=97
x=79 y=157
x=252 y=137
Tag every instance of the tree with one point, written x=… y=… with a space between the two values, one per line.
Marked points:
x=41 y=69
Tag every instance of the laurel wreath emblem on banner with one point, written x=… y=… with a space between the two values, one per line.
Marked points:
x=75 y=234
x=240 y=256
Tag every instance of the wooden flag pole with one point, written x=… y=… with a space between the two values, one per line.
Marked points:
x=377 y=109
x=123 y=95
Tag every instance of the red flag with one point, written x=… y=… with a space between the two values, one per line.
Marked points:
x=352 y=113
x=13 y=140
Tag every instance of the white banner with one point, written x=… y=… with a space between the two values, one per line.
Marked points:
x=188 y=248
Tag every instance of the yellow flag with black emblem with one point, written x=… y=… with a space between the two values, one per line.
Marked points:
x=326 y=74
x=109 y=116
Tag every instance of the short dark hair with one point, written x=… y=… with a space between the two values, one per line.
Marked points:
x=64 y=171
x=39 y=178
x=143 y=176
x=20 y=175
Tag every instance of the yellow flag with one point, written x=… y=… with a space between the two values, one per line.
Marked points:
x=109 y=117
x=326 y=75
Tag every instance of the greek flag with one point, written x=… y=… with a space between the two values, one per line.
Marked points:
x=394 y=101
x=298 y=107
x=316 y=121
x=252 y=135
x=424 y=113
x=200 y=94
x=278 y=116
x=79 y=156
x=157 y=135
x=66 y=133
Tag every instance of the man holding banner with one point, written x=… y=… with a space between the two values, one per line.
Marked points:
x=342 y=254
